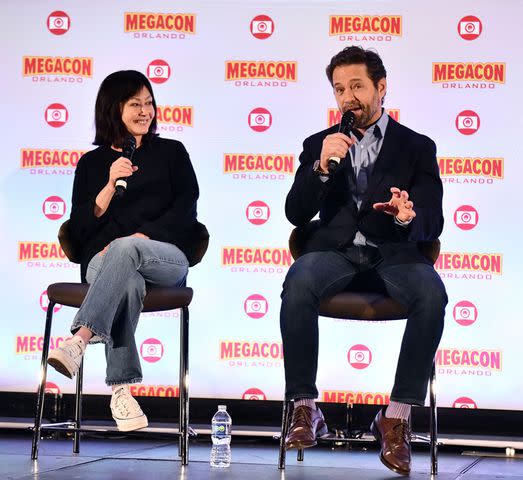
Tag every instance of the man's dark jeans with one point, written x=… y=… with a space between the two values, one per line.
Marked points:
x=318 y=275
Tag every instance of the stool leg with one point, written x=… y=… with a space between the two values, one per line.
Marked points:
x=43 y=377
x=300 y=455
x=183 y=387
x=78 y=407
x=285 y=420
x=433 y=423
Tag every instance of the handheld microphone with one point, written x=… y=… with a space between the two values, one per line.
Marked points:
x=346 y=124
x=128 y=148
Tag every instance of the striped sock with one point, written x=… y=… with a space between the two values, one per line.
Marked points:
x=305 y=402
x=398 y=410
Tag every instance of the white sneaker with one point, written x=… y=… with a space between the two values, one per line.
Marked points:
x=66 y=358
x=126 y=412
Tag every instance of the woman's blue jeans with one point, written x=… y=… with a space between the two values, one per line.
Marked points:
x=112 y=306
x=318 y=275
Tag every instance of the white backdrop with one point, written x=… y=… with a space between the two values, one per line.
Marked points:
x=452 y=70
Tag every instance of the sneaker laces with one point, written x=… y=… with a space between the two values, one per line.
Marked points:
x=73 y=348
x=124 y=403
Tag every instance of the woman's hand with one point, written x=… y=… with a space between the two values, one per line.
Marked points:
x=121 y=168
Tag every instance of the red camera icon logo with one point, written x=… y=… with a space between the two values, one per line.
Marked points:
x=53 y=208
x=151 y=350
x=262 y=27
x=470 y=27
x=44 y=303
x=52 y=388
x=56 y=115
x=253 y=394
x=465 y=313
x=158 y=71
x=58 y=22
x=258 y=212
x=466 y=217
x=464 y=402
x=359 y=356
x=260 y=119
x=256 y=306
x=467 y=122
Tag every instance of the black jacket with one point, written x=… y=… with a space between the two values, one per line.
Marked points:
x=407 y=160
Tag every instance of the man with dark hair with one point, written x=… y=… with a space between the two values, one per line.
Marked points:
x=383 y=198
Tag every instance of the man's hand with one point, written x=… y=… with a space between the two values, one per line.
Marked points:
x=137 y=234
x=335 y=145
x=398 y=206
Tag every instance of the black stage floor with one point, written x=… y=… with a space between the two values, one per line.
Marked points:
x=252 y=459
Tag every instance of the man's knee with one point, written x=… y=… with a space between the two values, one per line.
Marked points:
x=299 y=282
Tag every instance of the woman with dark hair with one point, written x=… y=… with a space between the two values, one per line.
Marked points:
x=130 y=240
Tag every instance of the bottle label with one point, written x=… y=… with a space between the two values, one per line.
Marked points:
x=221 y=430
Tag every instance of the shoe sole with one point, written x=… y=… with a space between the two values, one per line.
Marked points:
x=319 y=433
x=377 y=436
x=131 y=425
x=61 y=366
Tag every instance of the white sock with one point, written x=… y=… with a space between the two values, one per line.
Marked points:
x=398 y=410
x=305 y=402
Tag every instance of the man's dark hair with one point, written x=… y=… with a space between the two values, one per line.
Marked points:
x=357 y=55
x=114 y=91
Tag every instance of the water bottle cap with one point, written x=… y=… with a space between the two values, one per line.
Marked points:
x=222 y=407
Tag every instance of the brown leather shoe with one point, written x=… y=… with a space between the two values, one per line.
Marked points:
x=394 y=437
x=306 y=425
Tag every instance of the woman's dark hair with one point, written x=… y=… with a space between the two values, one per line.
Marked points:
x=357 y=55
x=114 y=91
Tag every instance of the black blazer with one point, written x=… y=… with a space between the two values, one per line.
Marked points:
x=407 y=160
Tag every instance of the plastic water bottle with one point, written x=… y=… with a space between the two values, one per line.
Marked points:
x=221 y=438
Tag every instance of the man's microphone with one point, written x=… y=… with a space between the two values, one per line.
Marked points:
x=128 y=148
x=346 y=124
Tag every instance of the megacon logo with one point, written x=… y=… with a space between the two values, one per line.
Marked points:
x=262 y=27
x=159 y=25
x=334 y=116
x=53 y=207
x=359 y=356
x=174 y=118
x=465 y=313
x=259 y=166
x=466 y=217
x=258 y=212
x=44 y=303
x=477 y=362
x=56 y=115
x=260 y=74
x=260 y=119
x=253 y=394
x=43 y=255
x=151 y=350
x=158 y=71
x=469 y=266
x=471 y=170
x=468 y=75
x=464 y=402
x=57 y=69
x=35 y=343
x=256 y=306
x=58 y=22
x=256 y=259
x=470 y=27
x=366 y=28
x=358 y=398
x=467 y=122
x=244 y=353
x=140 y=390
x=38 y=159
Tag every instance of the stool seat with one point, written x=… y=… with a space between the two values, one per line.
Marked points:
x=156 y=298
x=362 y=306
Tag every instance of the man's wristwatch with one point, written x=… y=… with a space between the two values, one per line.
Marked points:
x=318 y=170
